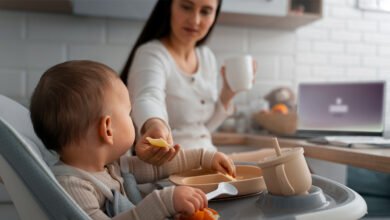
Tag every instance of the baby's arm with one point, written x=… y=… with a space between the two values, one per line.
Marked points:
x=157 y=205
x=185 y=160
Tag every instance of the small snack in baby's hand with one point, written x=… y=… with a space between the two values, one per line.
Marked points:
x=231 y=178
x=205 y=214
x=158 y=142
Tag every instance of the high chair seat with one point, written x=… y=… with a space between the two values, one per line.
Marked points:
x=25 y=172
x=18 y=117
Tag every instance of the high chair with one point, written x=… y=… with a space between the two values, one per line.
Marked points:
x=24 y=169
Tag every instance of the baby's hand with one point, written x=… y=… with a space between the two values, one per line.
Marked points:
x=223 y=164
x=188 y=200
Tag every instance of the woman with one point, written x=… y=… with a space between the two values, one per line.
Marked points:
x=172 y=79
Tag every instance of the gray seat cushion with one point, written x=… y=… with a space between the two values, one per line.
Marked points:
x=36 y=176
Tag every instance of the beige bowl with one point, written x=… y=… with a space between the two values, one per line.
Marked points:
x=249 y=180
x=276 y=122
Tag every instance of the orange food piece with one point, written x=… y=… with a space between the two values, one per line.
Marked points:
x=205 y=214
x=281 y=108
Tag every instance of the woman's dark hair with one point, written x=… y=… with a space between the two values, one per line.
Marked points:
x=158 y=26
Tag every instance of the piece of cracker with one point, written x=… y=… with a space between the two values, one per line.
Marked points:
x=157 y=142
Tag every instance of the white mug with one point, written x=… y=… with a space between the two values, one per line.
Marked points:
x=239 y=72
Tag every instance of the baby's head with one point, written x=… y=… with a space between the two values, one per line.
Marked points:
x=75 y=100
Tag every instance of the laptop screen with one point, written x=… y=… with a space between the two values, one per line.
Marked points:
x=352 y=108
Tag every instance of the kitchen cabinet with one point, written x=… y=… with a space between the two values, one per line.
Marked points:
x=256 y=7
x=279 y=14
x=52 y=6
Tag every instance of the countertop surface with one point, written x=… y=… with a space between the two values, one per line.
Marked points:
x=363 y=156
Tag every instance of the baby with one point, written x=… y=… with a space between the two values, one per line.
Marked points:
x=81 y=110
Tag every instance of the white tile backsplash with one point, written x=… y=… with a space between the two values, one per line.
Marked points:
x=113 y=56
x=328 y=47
x=345 y=36
x=267 y=41
x=376 y=38
x=267 y=68
x=361 y=73
x=65 y=28
x=346 y=12
x=12 y=26
x=362 y=25
x=286 y=68
x=328 y=72
x=229 y=39
x=123 y=32
x=360 y=49
x=330 y=23
x=345 y=60
x=345 y=44
x=384 y=50
x=307 y=33
x=33 y=77
x=30 y=54
x=13 y=82
x=312 y=58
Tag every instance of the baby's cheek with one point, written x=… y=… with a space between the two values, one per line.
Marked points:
x=131 y=133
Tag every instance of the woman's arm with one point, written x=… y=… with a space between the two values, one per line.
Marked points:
x=224 y=106
x=147 y=86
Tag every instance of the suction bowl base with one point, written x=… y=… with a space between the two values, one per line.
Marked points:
x=288 y=204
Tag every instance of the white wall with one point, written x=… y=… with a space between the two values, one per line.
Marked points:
x=347 y=44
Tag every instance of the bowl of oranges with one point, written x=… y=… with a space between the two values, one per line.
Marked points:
x=278 y=120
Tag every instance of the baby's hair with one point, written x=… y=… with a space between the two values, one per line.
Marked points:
x=68 y=99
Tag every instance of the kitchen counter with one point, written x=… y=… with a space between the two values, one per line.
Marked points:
x=365 y=156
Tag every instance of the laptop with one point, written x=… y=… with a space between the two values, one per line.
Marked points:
x=342 y=112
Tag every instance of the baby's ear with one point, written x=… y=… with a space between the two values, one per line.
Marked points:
x=105 y=129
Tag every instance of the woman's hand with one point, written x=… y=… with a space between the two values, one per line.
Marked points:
x=155 y=128
x=187 y=200
x=223 y=164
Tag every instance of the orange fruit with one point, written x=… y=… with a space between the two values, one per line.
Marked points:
x=280 y=108
x=205 y=214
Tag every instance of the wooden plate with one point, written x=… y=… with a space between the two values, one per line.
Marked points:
x=249 y=180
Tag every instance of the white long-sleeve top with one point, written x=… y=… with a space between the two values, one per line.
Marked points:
x=189 y=103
